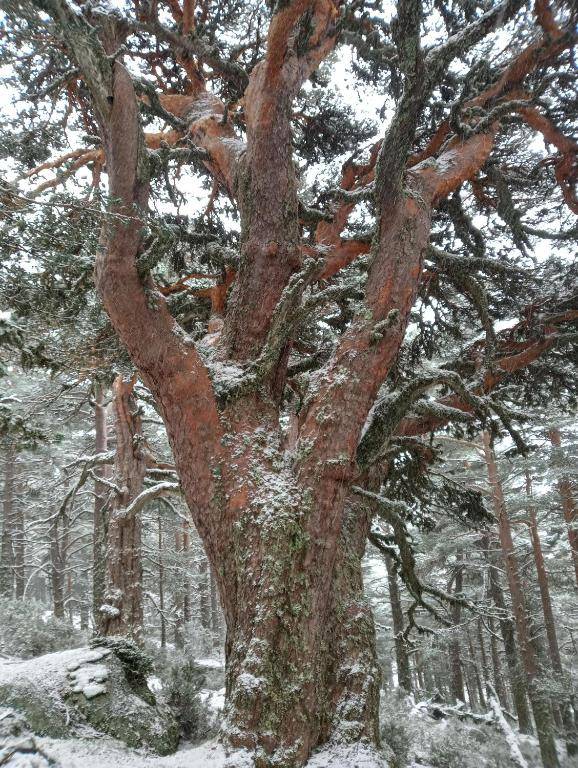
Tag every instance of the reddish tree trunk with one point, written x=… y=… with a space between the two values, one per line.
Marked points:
x=568 y=504
x=538 y=700
x=285 y=546
x=123 y=608
x=562 y=709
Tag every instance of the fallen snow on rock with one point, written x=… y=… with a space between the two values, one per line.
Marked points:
x=52 y=667
x=89 y=680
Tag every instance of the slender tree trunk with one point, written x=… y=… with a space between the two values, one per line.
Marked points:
x=483 y=655
x=57 y=568
x=475 y=672
x=7 y=544
x=123 y=607
x=562 y=709
x=539 y=702
x=216 y=619
x=101 y=494
x=204 y=600
x=566 y=491
x=160 y=556
x=457 y=678
x=178 y=601
x=515 y=671
x=84 y=600
x=543 y=583
x=470 y=687
x=186 y=541
x=401 y=654
x=429 y=676
x=499 y=685
x=19 y=541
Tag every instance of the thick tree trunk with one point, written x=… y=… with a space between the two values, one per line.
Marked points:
x=100 y=515
x=401 y=654
x=301 y=662
x=123 y=607
x=7 y=544
x=568 y=504
x=538 y=700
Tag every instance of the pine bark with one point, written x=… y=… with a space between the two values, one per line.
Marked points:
x=538 y=700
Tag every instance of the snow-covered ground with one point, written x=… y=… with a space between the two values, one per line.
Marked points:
x=107 y=753
x=429 y=741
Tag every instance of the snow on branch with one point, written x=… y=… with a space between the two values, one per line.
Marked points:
x=154 y=492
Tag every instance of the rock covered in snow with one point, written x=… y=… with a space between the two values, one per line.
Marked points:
x=61 y=693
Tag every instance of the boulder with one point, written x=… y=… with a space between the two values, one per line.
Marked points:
x=101 y=688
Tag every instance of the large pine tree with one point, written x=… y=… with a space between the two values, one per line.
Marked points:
x=287 y=354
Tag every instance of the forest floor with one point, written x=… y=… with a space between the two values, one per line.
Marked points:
x=419 y=737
